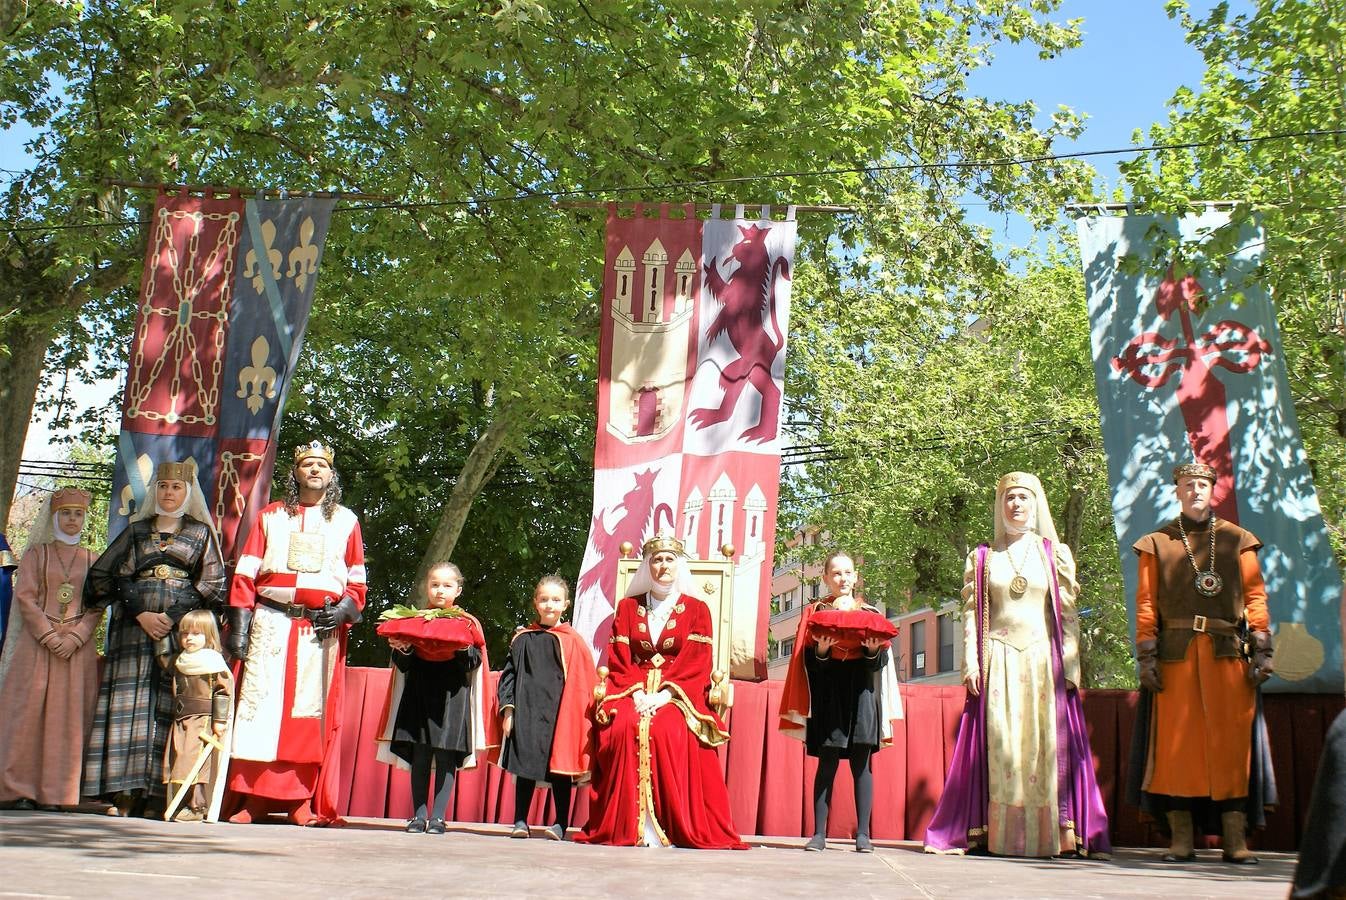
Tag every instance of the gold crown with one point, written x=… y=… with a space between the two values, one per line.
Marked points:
x=311 y=449
x=1194 y=470
x=70 y=498
x=1018 y=480
x=663 y=542
x=183 y=471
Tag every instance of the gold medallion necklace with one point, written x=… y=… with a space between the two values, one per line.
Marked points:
x=1208 y=583
x=65 y=592
x=1018 y=584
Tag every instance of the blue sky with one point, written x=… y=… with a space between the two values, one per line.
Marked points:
x=1132 y=60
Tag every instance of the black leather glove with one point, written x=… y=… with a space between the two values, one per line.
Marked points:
x=1147 y=661
x=331 y=617
x=1261 y=666
x=240 y=628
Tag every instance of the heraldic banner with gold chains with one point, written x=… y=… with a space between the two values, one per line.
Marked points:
x=224 y=299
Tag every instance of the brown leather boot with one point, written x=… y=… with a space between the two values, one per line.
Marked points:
x=1180 y=845
x=1234 y=843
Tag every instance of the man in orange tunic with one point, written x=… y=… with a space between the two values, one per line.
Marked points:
x=1198 y=579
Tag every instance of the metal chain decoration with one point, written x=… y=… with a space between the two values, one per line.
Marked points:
x=228 y=483
x=180 y=342
x=1208 y=583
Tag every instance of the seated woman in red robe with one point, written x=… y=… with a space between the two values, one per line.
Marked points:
x=657 y=779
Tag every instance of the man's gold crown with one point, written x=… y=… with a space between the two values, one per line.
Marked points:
x=312 y=449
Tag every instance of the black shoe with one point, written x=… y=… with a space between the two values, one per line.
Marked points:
x=49 y=807
x=1175 y=858
x=24 y=803
x=416 y=825
x=863 y=844
x=817 y=843
x=436 y=826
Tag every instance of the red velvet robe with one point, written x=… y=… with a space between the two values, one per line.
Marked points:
x=666 y=764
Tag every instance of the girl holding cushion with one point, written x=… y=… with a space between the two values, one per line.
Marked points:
x=841 y=695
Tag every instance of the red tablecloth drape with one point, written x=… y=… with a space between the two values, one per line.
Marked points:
x=769 y=775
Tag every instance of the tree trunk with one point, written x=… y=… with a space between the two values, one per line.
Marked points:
x=481 y=465
x=20 y=372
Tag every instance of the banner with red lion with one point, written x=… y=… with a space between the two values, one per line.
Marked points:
x=691 y=377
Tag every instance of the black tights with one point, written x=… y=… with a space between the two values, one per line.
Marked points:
x=446 y=766
x=828 y=759
x=560 y=794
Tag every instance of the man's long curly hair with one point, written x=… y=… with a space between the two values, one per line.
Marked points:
x=329 y=500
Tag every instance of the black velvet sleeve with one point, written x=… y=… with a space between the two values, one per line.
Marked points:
x=101 y=585
x=505 y=689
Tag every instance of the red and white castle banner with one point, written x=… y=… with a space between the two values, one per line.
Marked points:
x=691 y=376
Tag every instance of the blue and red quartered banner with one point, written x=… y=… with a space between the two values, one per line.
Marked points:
x=691 y=378
x=224 y=300
x=1181 y=377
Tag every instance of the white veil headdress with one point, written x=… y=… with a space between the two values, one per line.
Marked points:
x=194 y=504
x=1040 y=521
x=44 y=526
x=643 y=581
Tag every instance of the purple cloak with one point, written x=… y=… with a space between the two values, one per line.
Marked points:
x=960 y=818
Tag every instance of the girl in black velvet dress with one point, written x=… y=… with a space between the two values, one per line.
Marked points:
x=545 y=692
x=433 y=724
x=845 y=715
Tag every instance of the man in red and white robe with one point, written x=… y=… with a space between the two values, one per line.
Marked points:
x=297 y=589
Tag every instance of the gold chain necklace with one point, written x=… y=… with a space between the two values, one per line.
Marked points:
x=1208 y=583
x=1018 y=584
x=65 y=592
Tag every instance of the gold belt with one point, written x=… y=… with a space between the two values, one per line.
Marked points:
x=162 y=572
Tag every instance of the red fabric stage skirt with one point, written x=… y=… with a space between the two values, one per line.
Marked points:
x=769 y=776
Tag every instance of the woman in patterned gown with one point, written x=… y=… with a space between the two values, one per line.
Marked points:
x=165 y=563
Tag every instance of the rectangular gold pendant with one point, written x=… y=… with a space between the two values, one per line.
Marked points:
x=305 y=552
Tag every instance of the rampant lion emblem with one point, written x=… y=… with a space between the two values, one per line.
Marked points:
x=747 y=303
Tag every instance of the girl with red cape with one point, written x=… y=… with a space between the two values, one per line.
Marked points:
x=841 y=696
x=657 y=779
x=545 y=692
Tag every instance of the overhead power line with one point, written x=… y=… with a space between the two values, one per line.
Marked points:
x=729 y=181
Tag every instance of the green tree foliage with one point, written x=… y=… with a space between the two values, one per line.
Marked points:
x=1278 y=69
x=453 y=342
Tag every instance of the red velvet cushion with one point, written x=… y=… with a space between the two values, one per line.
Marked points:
x=433 y=639
x=850 y=628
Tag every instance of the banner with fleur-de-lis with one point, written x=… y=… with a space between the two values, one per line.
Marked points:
x=225 y=297
x=1188 y=364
